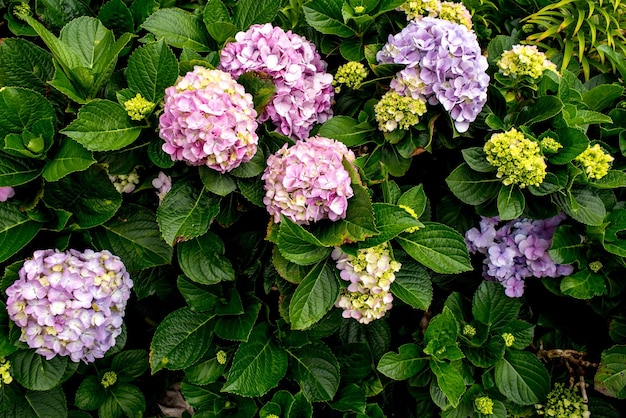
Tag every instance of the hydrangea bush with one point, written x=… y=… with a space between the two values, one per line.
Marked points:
x=262 y=208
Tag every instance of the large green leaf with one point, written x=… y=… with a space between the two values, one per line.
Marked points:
x=522 y=378
x=441 y=335
x=574 y=142
x=131 y=362
x=180 y=340
x=415 y=198
x=259 y=364
x=34 y=372
x=492 y=307
x=449 y=380
x=239 y=327
x=544 y=108
x=17 y=171
x=178 y=28
x=316 y=369
x=186 y=212
x=70 y=157
x=24 y=64
x=298 y=245
x=391 y=221
x=438 y=247
x=88 y=195
x=583 y=284
x=408 y=362
x=510 y=202
x=16 y=230
x=583 y=205
x=218 y=21
x=472 y=187
x=314 y=296
x=613 y=241
x=610 y=379
x=202 y=259
x=567 y=246
x=198 y=297
x=151 y=69
x=123 y=400
x=325 y=16
x=134 y=236
x=47 y=403
x=20 y=108
x=102 y=125
x=347 y=130
x=250 y=12
x=412 y=284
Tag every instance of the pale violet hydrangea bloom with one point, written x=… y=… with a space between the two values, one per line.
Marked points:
x=304 y=91
x=70 y=303
x=516 y=250
x=162 y=183
x=125 y=183
x=370 y=274
x=6 y=193
x=307 y=182
x=444 y=64
x=209 y=119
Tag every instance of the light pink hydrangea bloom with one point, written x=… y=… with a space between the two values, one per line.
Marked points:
x=308 y=182
x=163 y=184
x=209 y=119
x=70 y=303
x=6 y=193
x=304 y=91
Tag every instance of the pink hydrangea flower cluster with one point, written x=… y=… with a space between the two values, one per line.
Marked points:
x=444 y=64
x=6 y=193
x=370 y=274
x=209 y=119
x=516 y=250
x=304 y=91
x=70 y=303
x=162 y=183
x=307 y=182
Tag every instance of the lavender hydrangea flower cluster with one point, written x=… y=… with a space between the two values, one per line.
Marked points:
x=516 y=250
x=6 y=193
x=444 y=65
x=209 y=119
x=304 y=91
x=370 y=274
x=308 y=182
x=70 y=303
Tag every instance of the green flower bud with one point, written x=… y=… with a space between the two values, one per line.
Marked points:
x=484 y=405
x=108 y=379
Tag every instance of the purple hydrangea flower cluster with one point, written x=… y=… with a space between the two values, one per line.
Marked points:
x=209 y=119
x=307 y=182
x=304 y=91
x=444 y=65
x=516 y=250
x=6 y=193
x=70 y=303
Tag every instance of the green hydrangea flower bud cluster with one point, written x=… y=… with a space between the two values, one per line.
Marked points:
x=469 y=331
x=563 y=402
x=595 y=162
x=5 y=375
x=417 y=8
x=138 y=107
x=455 y=13
x=108 y=379
x=484 y=405
x=350 y=74
x=549 y=144
x=524 y=60
x=395 y=111
x=508 y=338
x=517 y=158
x=125 y=183
x=221 y=357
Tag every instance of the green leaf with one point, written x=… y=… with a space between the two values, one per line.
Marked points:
x=522 y=331
x=300 y=408
x=24 y=64
x=615 y=57
x=583 y=284
x=612 y=180
x=251 y=168
x=239 y=327
x=88 y=195
x=298 y=245
x=476 y=158
x=102 y=125
x=613 y=241
x=403 y=365
x=472 y=187
x=116 y=16
x=441 y=334
x=522 y=378
x=178 y=28
x=124 y=400
x=610 y=378
x=21 y=108
x=412 y=284
x=180 y=340
x=215 y=182
x=34 y=372
x=17 y=171
x=488 y=354
x=314 y=296
x=90 y=394
x=602 y=96
x=261 y=86
x=567 y=247
x=415 y=198
x=134 y=236
x=250 y=12
x=47 y=403
x=580 y=117
x=259 y=364
x=16 y=230
x=438 y=247
x=316 y=369
x=151 y=69
x=350 y=398
x=449 y=380
x=198 y=297
x=218 y=22
x=202 y=259
x=583 y=205
x=511 y=202
x=131 y=363
x=493 y=307
x=347 y=130
x=186 y=212
x=69 y=158
x=204 y=373
x=544 y=108
x=325 y=16
x=391 y=221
